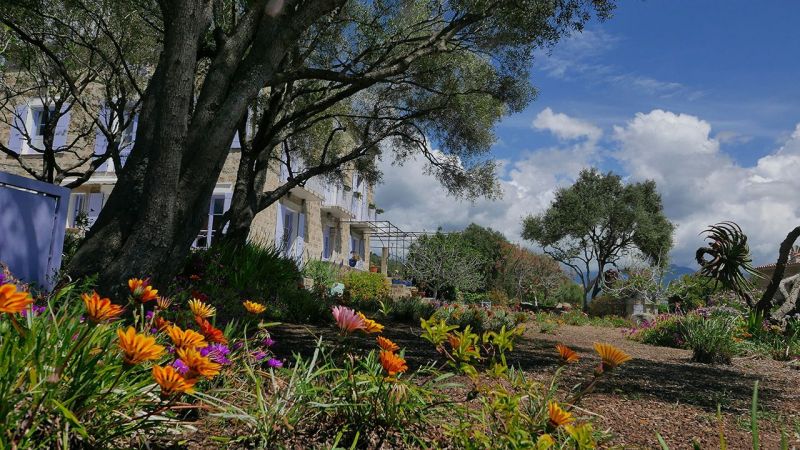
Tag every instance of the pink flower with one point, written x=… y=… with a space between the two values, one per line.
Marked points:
x=347 y=320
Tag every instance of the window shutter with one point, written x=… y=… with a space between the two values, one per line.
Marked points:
x=125 y=151
x=60 y=135
x=100 y=141
x=15 y=136
x=236 y=143
x=301 y=238
x=94 y=207
x=279 y=229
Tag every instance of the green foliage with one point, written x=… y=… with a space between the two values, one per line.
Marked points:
x=365 y=287
x=569 y=292
x=578 y=318
x=666 y=330
x=487 y=243
x=445 y=261
x=692 y=291
x=227 y=274
x=323 y=273
x=63 y=383
x=411 y=309
x=478 y=318
x=711 y=339
x=527 y=276
x=628 y=217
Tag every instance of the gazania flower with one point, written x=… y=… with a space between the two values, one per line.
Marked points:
x=392 y=363
x=611 y=356
x=138 y=347
x=199 y=365
x=164 y=303
x=200 y=309
x=370 y=326
x=185 y=339
x=557 y=416
x=545 y=442
x=171 y=381
x=141 y=290
x=253 y=307
x=567 y=354
x=386 y=344
x=13 y=301
x=347 y=320
x=162 y=323
x=100 y=309
x=209 y=332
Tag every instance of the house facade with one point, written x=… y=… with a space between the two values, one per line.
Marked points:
x=321 y=220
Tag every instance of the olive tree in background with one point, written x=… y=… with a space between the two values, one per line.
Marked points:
x=441 y=260
x=597 y=221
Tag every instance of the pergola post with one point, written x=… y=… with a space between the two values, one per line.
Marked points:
x=385 y=261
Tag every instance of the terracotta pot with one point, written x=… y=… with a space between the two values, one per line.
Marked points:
x=373 y=269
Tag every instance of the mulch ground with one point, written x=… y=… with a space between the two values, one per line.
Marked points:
x=660 y=390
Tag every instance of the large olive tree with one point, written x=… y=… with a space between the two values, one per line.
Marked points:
x=403 y=70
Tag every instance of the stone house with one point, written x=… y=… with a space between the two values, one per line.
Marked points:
x=322 y=220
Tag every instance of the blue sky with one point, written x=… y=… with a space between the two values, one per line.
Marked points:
x=701 y=96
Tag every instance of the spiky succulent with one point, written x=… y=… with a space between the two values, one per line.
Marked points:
x=727 y=259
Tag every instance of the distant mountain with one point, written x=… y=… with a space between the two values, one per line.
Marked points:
x=673 y=272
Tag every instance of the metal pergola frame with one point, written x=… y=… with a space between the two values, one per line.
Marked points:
x=388 y=235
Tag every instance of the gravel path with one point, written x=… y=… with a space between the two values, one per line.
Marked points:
x=660 y=390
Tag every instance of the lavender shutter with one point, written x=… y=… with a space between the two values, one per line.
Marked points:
x=60 y=135
x=125 y=151
x=100 y=141
x=279 y=228
x=15 y=136
x=301 y=238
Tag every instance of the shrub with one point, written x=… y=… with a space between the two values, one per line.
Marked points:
x=227 y=274
x=711 y=339
x=323 y=273
x=607 y=305
x=367 y=287
x=478 y=318
x=411 y=309
x=666 y=330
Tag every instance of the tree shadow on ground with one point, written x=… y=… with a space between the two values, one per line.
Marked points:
x=687 y=382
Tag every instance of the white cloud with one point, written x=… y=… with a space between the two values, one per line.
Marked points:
x=566 y=127
x=699 y=183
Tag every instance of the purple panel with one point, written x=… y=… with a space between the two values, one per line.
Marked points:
x=32 y=220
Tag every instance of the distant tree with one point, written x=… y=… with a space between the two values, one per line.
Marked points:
x=489 y=244
x=526 y=275
x=440 y=261
x=598 y=220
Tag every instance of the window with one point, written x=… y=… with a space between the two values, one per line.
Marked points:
x=328 y=237
x=78 y=211
x=40 y=118
x=212 y=227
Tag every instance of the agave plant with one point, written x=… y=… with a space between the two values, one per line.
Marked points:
x=727 y=259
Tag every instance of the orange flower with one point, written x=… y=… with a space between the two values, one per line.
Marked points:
x=138 y=347
x=209 y=332
x=453 y=340
x=100 y=309
x=162 y=323
x=387 y=345
x=141 y=290
x=392 y=363
x=611 y=356
x=171 y=381
x=163 y=303
x=370 y=326
x=253 y=307
x=199 y=366
x=557 y=416
x=200 y=309
x=567 y=354
x=13 y=301
x=185 y=339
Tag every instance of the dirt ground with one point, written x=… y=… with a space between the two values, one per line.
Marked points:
x=660 y=390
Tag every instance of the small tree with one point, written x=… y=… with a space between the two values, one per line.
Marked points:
x=444 y=260
x=490 y=244
x=597 y=221
x=525 y=275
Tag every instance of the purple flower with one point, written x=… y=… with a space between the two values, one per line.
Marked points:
x=217 y=353
x=238 y=345
x=274 y=363
x=2 y=278
x=180 y=366
x=37 y=310
x=149 y=315
x=267 y=342
x=259 y=355
x=154 y=330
